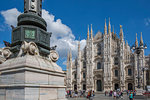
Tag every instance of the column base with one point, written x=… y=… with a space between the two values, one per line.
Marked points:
x=139 y=94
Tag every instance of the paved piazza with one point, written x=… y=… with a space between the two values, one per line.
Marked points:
x=102 y=97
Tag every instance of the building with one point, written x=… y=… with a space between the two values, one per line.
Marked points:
x=106 y=63
x=147 y=64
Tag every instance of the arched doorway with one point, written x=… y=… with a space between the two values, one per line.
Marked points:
x=130 y=86
x=84 y=87
x=116 y=86
x=99 y=85
x=75 y=87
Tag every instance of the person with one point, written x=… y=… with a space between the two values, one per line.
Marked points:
x=76 y=94
x=127 y=92
x=93 y=93
x=88 y=96
x=131 y=96
x=115 y=94
x=122 y=95
x=134 y=93
x=111 y=93
x=105 y=93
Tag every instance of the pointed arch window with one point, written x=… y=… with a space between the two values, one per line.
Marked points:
x=99 y=49
x=116 y=73
x=84 y=64
x=98 y=65
x=116 y=61
x=84 y=75
x=130 y=72
x=75 y=76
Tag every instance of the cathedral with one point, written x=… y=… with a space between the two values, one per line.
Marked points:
x=106 y=63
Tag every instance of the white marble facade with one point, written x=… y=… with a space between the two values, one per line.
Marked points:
x=106 y=63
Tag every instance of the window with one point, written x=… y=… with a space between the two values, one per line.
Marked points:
x=99 y=49
x=129 y=72
x=75 y=76
x=84 y=75
x=116 y=73
x=84 y=64
x=115 y=61
x=98 y=65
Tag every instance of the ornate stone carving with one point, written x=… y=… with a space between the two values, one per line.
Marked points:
x=4 y=54
x=28 y=48
x=53 y=55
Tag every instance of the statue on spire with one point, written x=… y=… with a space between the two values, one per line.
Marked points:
x=91 y=32
x=136 y=42
x=109 y=27
x=88 y=33
x=121 y=33
x=105 y=28
x=141 y=41
x=33 y=6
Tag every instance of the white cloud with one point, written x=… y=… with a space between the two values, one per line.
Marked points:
x=62 y=35
x=147 y=21
x=11 y=16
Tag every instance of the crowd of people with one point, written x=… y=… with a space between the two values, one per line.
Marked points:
x=116 y=94
x=119 y=94
x=75 y=94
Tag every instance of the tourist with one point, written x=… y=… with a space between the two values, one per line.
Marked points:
x=110 y=93
x=115 y=93
x=131 y=96
x=88 y=96
x=127 y=92
x=134 y=93
x=93 y=93
x=76 y=94
x=105 y=93
x=122 y=95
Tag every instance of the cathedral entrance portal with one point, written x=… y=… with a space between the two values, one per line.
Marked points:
x=75 y=87
x=130 y=86
x=99 y=85
x=116 y=86
x=84 y=87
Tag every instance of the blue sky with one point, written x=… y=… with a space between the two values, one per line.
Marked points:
x=73 y=16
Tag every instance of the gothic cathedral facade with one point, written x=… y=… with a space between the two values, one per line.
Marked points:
x=106 y=63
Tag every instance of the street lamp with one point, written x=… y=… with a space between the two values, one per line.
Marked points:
x=138 y=50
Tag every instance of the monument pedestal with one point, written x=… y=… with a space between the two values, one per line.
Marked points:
x=31 y=77
x=139 y=94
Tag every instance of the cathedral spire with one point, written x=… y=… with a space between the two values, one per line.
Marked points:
x=113 y=29
x=109 y=28
x=91 y=32
x=79 y=45
x=126 y=43
x=136 y=42
x=121 y=33
x=88 y=33
x=105 y=28
x=141 y=41
x=70 y=54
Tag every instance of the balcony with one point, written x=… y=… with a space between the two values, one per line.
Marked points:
x=115 y=78
x=129 y=77
x=115 y=66
x=98 y=71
